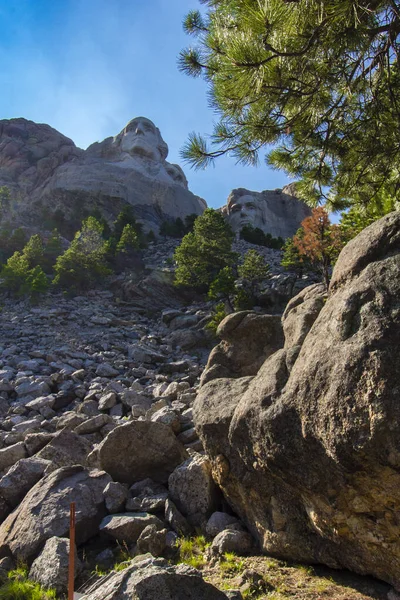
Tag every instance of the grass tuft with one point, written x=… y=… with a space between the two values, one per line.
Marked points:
x=191 y=551
x=18 y=587
x=231 y=564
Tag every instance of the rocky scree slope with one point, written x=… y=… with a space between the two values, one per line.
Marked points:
x=306 y=446
x=96 y=407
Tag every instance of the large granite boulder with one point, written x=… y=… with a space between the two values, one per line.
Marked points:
x=140 y=449
x=309 y=456
x=277 y=212
x=247 y=339
x=50 y=178
x=44 y=512
x=154 y=579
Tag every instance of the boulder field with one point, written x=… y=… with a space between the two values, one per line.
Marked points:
x=288 y=441
x=307 y=450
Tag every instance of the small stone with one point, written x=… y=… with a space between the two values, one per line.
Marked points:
x=232 y=540
x=92 y=425
x=107 y=401
x=127 y=527
x=106 y=370
x=176 y=520
x=9 y=456
x=115 y=496
x=218 y=522
x=152 y=540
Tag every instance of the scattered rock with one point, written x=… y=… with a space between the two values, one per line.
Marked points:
x=232 y=540
x=44 y=512
x=140 y=449
x=50 y=568
x=192 y=489
x=176 y=520
x=218 y=522
x=9 y=456
x=127 y=527
x=65 y=449
x=152 y=540
x=153 y=579
x=115 y=496
x=20 y=478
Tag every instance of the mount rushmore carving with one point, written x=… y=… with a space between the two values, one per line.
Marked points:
x=48 y=176
x=46 y=172
x=277 y=212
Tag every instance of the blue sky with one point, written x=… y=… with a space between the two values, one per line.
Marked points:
x=87 y=67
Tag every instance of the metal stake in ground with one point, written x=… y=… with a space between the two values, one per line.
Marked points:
x=71 y=567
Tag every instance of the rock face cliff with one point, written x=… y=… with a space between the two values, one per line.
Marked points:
x=277 y=212
x=307 y=450
x=46 y=172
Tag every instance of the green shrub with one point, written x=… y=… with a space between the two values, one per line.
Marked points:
x=51 y=251
x=34 y=251
x=178 y=228
x=219 y=313
x=255 y=235
x=11 y=241
x=204 y=252
x=84 y=264
x=128 y=241
x=5 y=200
x=151 y=237
x=223 y=286
x=191 y=551
x=18 y=278
x=253 y=270
x=243 y=300
x=19 y=587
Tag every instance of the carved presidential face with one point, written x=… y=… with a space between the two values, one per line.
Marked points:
x=177 y=175
x=244 y=210
x=142 y=138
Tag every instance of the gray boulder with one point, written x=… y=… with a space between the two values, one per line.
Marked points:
x=147 y=496
x=247 y=341
x=192 y=489
x=232 y=540
x=50 y=568
x=127 y=527
x=44 y=512
x=115 y=496
x=20 y=478
x=65 y=449
x=10 y=455
x=310 y=458
x=152 y=540
x=154 y=579
x=176 y=520
x=218 y=522
x=140 y=449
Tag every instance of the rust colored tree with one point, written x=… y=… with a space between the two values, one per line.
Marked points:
x=320 y=242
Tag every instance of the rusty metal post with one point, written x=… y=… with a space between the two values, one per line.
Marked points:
x=71 y=567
